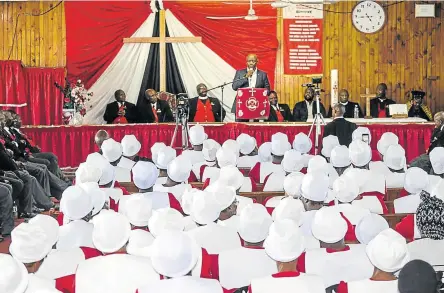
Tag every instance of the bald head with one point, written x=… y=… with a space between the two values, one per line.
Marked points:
x=343 y=96
x=252 y=61
x=100 y=137
x=338 y=110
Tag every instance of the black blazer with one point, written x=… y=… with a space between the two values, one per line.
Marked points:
x=261 y=82
x=374 y=106
x=349 y=111
x=300 y=111
x=23 y=142
x=12 y=144
x=6 y=162
x=285 y=112
x=113 y=108
x=437 y=139
x=341 y=128
x=164 y=113
x=215 y=108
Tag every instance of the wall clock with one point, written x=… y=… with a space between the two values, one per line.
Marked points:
x=368 y=17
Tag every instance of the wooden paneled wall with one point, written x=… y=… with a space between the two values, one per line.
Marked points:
x=406 y=54
x=40 y=41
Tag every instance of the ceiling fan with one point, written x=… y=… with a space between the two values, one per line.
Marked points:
x=250 y=16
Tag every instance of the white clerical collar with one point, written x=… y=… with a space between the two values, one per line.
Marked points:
x=344 y=104
x=203 y=98
x=382 y=100
x=276 y=107
x=121 y=104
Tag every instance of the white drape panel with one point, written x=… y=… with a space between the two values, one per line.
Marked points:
x=198 y=64
x=125 y=72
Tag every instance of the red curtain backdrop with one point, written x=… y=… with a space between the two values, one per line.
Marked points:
x=73 y=144
x=12 y=81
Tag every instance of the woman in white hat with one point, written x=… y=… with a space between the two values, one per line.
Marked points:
x=292 y=162
x=248 y=151
x=292 y=188
x=163 y=157
x=395 y=161
x=130 y=148
x=339 y=159
x=209 y=150
x=197 y=138
x=416 y=180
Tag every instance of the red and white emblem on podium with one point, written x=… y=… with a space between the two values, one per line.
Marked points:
x=252 y=103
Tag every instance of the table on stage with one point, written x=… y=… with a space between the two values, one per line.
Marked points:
x=72 y=144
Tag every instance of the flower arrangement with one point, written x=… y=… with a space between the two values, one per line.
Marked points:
x=75 y=97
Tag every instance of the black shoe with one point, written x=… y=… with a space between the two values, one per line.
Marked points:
x=37 y=210
x=26 y=215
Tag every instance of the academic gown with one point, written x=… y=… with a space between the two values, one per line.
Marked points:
x=349 y=110
x=422 y=112
x=376 y=105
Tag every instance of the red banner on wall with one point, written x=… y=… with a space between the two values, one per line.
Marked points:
x=303 y=39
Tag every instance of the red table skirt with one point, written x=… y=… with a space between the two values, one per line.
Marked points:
x=72 y=144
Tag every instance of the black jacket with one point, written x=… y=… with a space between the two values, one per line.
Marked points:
x=437 y=139
x=12 y=144
x=215 y=108
x=285 y=112
x=341 y=128
x=113 y=108
x=261 y=83
x=6 y=162
x=23 y=141
x=375 y=105
x=349 y=111
x=300 y=111
x=145 y=109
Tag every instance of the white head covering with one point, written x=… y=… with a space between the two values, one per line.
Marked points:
x=394 y=157
x=29 y=243
x=155 y=149
x=231 y=145
x=49 y=225
x=360 y=153
x=231 y=176
x=292 y=184
x=187 y=199
x=370 y=226
x=88 y=173
x=112 y=150
x=264 y=152
x=144 y=174
x=328 y=225
x=226 y=157
x=438 y=190
x=139 y=243
x=111 y=231
x=179 y=169
x=285 y=242
x=437 y=160
x=345 y=189
x=166 y=219
x=246 y=143
x=225 y=195
x=358 y=132
x=254 y=222
x=328 y=144
x=302 y=143
x=205 y=208
x=98 y=196
x=130 y=145
x=317 y=164
x=76 y=203
x=415 y=180
x=209 y=150
x=388 y=251
x=174 y=254
x=339 y=157
x=387 y=139
x=137 y=208
x=14 y=276
x=106 y=169
x=164 y=157
x=314 y=186
x=289 y=208
x=293 y=161
x=279 y=144
x=197 y=135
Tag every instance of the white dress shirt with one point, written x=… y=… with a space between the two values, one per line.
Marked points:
x=309 y=109
x=252 y=79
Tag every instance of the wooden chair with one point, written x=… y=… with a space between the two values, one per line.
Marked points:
x=394 y=219
x=129 y=186
x=261 y=195
x=393 y=193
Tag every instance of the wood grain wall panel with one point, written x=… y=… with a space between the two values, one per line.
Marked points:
x=40 y=40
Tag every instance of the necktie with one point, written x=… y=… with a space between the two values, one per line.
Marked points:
x=156 y=119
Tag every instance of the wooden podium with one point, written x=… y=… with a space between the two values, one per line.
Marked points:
x=252 y=103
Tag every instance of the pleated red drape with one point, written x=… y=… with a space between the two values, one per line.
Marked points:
x=12 y=84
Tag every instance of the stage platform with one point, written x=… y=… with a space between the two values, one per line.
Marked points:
x=73 y=143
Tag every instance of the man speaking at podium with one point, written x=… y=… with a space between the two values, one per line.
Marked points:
x=251 y=77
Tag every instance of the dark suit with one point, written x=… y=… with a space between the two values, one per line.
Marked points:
x=285 y=112
x=376 y=104
x=437 y=139
x=300 y=111
x=349 y=110
x=341 y=128
x=113 y=108
x=261 y=82
x=215 y=108
x=164 y=113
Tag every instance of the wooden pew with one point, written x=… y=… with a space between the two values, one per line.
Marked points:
x=199 y=185
x=129 y=186
x=394 y=219
x=393 y=193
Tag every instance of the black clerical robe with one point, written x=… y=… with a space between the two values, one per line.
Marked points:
x=349 y=110
x=112 y=110
x=422 y=112
x=376 y=105
x=341 y=128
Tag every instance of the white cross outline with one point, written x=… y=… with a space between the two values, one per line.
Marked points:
x=239 y=102
x=252 y=91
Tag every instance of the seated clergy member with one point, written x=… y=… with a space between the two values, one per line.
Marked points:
x=340 y=127
x=417 y=108
x=307 y=109
x=204 y=108
x=120 y=111
x=278 y=112
x=349 y=106
x=154 y=110
x=379 y=105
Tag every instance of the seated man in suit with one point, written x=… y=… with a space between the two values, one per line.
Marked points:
x=154 y=110
x=120 y=111
x=340 y=127
x=204 y=108
x=307 y=109
x=417 y=108
x=379 y=105
x=278 y=112
x=251 y=77
x=349 y=106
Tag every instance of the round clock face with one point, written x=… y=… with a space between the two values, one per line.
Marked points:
x=368 y=17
